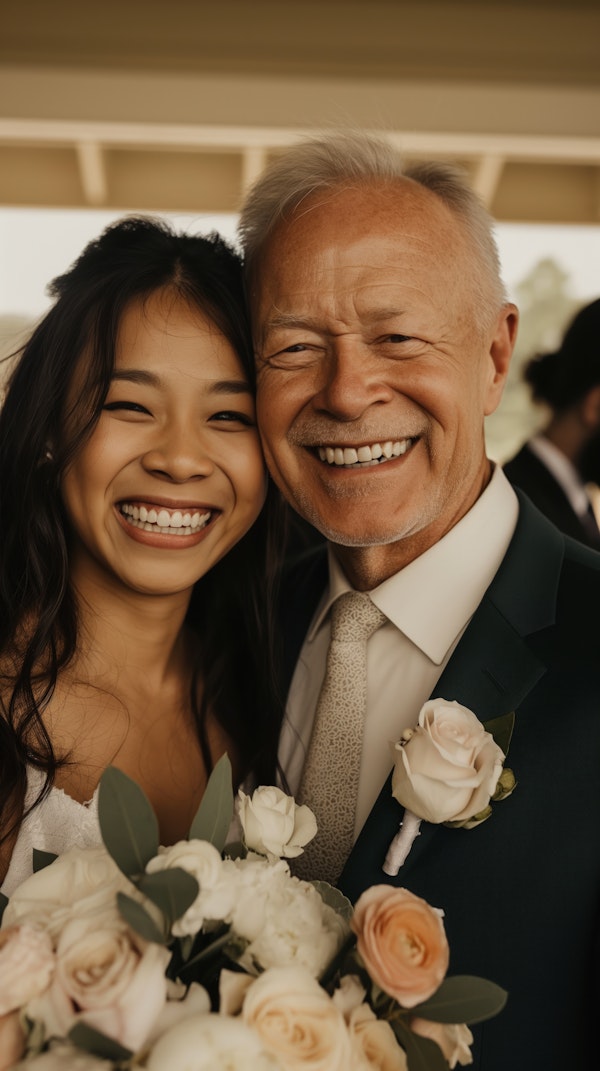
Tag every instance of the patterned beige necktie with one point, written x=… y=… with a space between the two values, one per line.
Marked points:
x=330 y=780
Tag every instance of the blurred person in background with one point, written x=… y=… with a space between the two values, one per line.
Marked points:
x=555 y=465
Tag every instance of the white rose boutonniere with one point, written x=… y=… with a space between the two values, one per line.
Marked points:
x=447 y=770
x=273 y=824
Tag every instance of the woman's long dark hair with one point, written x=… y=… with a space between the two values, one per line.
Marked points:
x=231 y=606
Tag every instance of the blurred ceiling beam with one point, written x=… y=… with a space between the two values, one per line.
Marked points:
x=137 y=104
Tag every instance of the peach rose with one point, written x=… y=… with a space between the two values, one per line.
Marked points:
x=454 y=1039
x=402 y=942
x=12 y=1040
x=297 y=1021
x=447 y=768
x=26 y=966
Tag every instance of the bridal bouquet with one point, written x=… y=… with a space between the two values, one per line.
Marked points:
x=211 y=955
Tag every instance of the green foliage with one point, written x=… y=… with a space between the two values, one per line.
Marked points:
x=128 y=824
x=172 y=890
x=463 y=999
x=140 y=920
x=42 y=859
x=502 y=729
x=92 y=1041
x=214 y=815
x=422 y=1054
x=335 y=899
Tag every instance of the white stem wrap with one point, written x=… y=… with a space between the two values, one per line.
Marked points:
x=401 y=844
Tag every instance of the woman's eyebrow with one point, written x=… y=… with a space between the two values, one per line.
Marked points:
x=135 y=375
x=150 y=379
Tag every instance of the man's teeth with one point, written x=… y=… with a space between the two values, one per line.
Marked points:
x=176 y=522
x=364 y=455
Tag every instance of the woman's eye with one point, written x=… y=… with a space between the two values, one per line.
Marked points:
x=397 y=338
x=131 y=407
x=231 y=416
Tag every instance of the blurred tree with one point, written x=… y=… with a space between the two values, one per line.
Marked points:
x=546 y=308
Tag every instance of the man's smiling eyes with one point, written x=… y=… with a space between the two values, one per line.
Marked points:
x=284 y=354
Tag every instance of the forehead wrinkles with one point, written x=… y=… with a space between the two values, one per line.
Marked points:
x=362 y=280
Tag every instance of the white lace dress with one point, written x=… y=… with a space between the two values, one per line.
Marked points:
x=56 y=824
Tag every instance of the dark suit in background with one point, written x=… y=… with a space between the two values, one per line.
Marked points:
x=527 y=471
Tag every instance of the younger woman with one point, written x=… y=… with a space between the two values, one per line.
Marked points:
x=129 y=466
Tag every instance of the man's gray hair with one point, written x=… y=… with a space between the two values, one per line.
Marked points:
x=354 y=158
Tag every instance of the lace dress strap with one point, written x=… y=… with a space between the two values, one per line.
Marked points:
x=56 y=824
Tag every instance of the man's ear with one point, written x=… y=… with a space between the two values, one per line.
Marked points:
x=590 y=409
x=502 y=344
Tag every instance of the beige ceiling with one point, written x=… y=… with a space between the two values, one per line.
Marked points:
x=177 y=104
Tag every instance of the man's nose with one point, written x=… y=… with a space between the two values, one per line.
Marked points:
x=352 y=380
x=179 y=454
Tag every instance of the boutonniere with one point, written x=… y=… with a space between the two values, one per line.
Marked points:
x=448 y=769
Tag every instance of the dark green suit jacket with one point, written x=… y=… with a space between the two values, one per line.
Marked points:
x=521 y=892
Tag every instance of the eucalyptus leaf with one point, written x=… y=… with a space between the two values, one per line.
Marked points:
x=92 y=1041
x=127 y=822
x=140 y=920
x=335 y=899
x=172 y=890
x=40 y=859
x=502 y=729
x=227 y=945
x=463 y=999
x=214 y=815
x=422 y=1054
x=3 y=904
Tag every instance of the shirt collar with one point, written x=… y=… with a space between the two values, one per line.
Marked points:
x=433 y=598
x=563 y=471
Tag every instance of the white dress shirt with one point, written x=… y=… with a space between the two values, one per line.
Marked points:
x=565 y=474
x=428 y=604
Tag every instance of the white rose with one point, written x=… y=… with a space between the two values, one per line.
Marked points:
x=233 y=986
x=287 y=923
x=447 y=770
x=375 y=1042
x=201 y=859
x=297 y=1021
x=349 y=994
x=26 y=965
x=454 y=1039
x=64 y=1057
x=274 y=824
x=105 y=978
x=180 y=1006
x=208 y=1042
x=249 y=881
x=81 y=881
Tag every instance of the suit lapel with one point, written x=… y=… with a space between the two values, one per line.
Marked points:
x=491 y=671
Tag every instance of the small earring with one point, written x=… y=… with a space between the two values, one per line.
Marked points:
x=49 y=456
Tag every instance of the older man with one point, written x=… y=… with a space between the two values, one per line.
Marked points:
x=383 y=339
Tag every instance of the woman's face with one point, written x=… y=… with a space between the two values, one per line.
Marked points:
x=172 y=475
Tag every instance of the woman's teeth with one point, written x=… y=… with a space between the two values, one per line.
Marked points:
x=176 y=522
x=364 y=455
